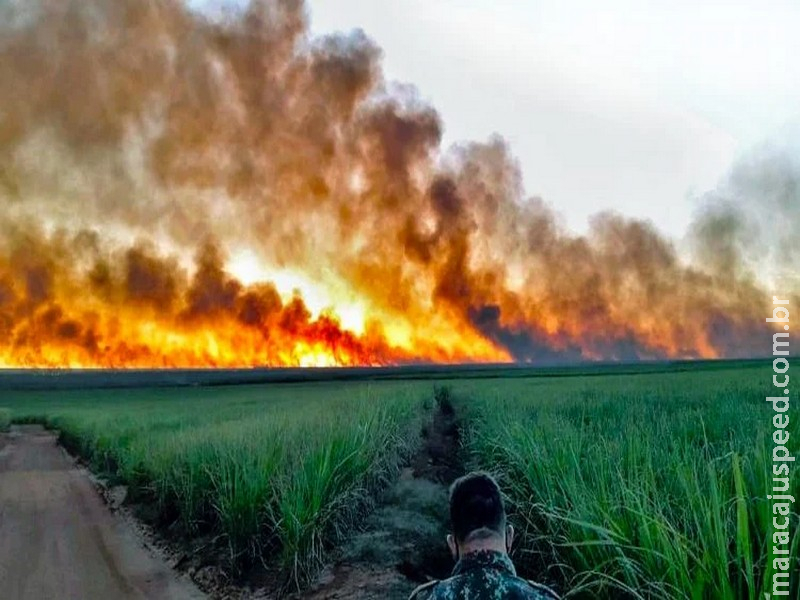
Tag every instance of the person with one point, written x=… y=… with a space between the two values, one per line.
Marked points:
x=479 y=542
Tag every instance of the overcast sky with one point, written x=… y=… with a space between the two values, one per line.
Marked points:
x=637 y=106
x=630 y=105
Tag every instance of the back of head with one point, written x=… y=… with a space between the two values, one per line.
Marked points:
x=476 y=507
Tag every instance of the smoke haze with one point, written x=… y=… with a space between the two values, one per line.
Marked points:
x=143 y=145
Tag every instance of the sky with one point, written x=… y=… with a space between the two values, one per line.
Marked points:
x=206 y=195
x=637 y=107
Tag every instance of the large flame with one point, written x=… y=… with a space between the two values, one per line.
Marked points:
x=180 y=191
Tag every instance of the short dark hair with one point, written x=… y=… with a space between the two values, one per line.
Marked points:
x=476 y=504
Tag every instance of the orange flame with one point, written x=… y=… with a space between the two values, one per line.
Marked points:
x=134 y=133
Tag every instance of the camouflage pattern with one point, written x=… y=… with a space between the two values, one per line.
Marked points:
x=484 y=575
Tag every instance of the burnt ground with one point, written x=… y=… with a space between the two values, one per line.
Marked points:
x=402 y=542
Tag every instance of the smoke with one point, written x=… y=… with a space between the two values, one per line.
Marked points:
x=750 y=225
x=142 y=143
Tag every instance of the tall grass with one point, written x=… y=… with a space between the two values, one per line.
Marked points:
x=634 y=485
x=639 y=487
x=278 y=479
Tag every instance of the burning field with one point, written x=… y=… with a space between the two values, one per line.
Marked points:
x=185 y=191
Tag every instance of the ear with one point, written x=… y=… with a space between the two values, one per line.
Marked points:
x=509 y=537
x=451 y=543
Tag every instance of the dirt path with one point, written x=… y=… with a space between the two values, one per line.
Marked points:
x=57 y=537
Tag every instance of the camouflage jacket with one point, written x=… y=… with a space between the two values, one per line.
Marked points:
x=483 y=575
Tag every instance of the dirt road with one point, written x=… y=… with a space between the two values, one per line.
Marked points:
x=59 y=540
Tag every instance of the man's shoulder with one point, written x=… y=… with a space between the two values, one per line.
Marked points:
x=514 y=588
x=544 y=592
x=524 y=589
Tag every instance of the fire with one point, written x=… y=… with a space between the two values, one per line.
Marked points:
x=142 y=310
x=182 y=191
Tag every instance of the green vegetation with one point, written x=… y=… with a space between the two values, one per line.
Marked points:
x=647 y=486
x=638 y=483
x=274 y=470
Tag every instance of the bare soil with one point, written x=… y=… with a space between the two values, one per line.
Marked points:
x=58 y=539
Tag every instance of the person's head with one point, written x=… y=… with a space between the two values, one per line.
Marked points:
x=477 y=516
